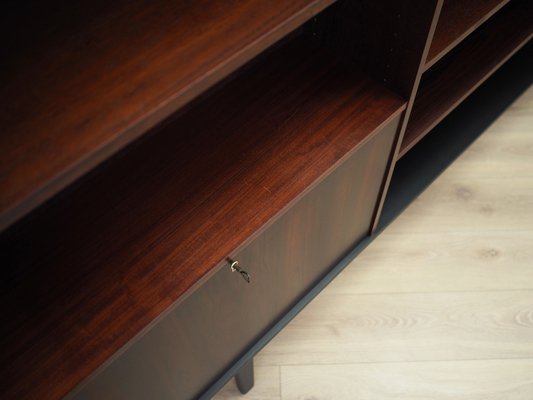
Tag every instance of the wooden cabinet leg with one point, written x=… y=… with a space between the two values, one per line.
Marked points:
x=245 y=377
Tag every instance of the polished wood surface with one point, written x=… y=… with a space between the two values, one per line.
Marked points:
x=97 y=265
x=82 y=79
x=199 y=339
x=447 y=83
x=439 y=306
x=124 y=252
x=470 y=380
x=459 y=18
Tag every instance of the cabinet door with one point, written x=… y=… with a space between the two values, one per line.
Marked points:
x=196 y=341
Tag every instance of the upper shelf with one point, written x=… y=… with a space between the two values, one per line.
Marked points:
x=458 y=18
x=80 y=80
x=107 y=256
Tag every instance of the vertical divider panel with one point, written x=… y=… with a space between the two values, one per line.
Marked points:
x=389 y=40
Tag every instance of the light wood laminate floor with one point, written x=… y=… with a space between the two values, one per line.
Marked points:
x=440 y=305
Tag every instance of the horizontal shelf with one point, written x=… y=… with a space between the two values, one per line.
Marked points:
x=447 y=83
x=459 y=18
x=95 y=266
x=83 y=79
x=415 y=171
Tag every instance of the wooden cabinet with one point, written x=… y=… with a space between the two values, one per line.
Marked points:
x=181 y=355
x=146 y=143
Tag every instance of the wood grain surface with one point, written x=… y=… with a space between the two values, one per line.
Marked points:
x=395 y=38
x=459 y=18
x=460 y=380
x=92 y=269
x=182 y=356
x=80 y=80
x=398 y=256
x=443 y=311
x=483 y=204
x=342 y=329
x=449 y=82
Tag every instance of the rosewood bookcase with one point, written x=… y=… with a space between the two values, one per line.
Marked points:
x=179 y=178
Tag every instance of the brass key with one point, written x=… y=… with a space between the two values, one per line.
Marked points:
x=235 y=268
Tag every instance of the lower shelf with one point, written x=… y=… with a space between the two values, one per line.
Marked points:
x=446 y=141
x=457 y=19
x=452 y=79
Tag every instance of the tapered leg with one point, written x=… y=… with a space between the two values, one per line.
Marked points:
x=245 y=377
